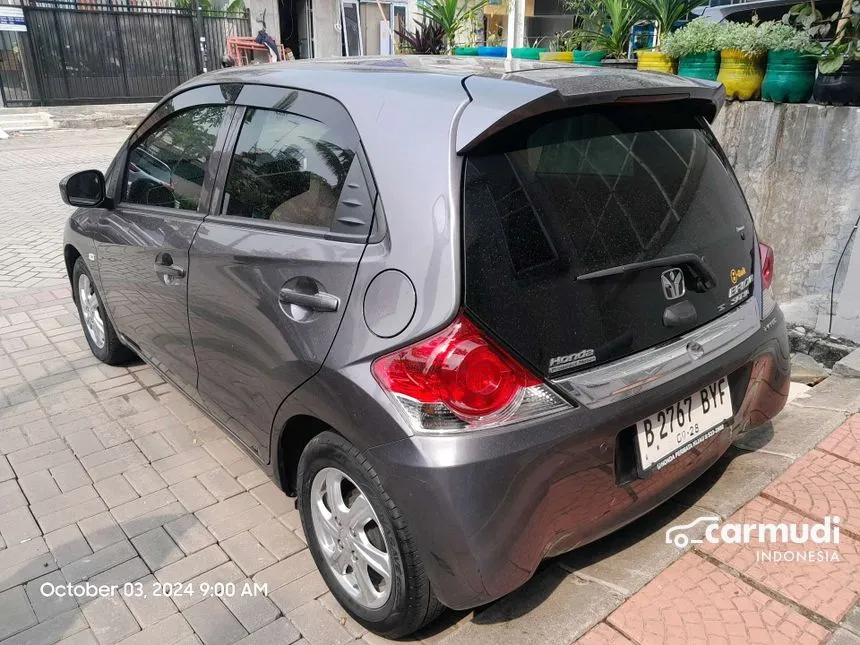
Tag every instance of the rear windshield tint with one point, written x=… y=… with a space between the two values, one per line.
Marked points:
x=553 y=199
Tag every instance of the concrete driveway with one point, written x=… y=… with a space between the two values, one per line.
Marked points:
x=108 y=477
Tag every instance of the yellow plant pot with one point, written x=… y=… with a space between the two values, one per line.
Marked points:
x=655 y=62
x=559 y=57
x=741 y=73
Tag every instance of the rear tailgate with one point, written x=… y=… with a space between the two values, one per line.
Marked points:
x=594 y=232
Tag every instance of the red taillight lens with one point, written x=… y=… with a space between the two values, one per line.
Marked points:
x=459 y=368
x=766 y=255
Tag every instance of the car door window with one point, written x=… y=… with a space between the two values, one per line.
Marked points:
x=287 y=168
x=166 y=168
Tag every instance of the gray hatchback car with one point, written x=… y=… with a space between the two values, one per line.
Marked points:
x=472 y=314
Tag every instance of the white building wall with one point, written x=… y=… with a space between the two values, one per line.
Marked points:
x=272 y=17
x=327 y=35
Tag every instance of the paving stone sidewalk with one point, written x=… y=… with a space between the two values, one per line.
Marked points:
x=746 y=593
x=109 y=477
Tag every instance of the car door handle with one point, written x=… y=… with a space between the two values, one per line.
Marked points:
x=319 y=301
x=170 y=270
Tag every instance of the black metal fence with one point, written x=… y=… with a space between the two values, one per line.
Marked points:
x=76 y=52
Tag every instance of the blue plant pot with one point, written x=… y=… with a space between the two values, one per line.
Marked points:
x=496 y=52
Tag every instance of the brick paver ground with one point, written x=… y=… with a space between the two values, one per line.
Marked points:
x=109 y=477
x=32 y=216
x=696 y=601
x=747 y=593
x=829 y=585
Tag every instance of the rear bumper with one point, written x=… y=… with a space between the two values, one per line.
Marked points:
x=485 y=509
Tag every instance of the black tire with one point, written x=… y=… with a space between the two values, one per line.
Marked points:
x=411 y=603
x=112 y=352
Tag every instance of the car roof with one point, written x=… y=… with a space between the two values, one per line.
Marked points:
x=500 y=91
x=387 y=73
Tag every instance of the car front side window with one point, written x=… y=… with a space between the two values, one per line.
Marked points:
x=166 y=168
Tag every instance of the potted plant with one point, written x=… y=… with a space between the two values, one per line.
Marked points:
x=452 y=15
x=654 y=60
x=529 y=53
x=665 y=13
x=742 y=54
x=493 y=48
x=588 y=20
x=561 y=47
x=607 y=30
x=426 y=38
x=790 y=68
x=838 y=80
x=695 y=47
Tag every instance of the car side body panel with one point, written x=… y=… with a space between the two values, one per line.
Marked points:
x=253 y=348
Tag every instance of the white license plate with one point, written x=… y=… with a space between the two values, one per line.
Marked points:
x=667 y=434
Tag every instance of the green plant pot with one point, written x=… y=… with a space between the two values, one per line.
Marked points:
x=531 y=53
x=705 y=66
x=789 y=77
x=581 y=57
x=465 y=51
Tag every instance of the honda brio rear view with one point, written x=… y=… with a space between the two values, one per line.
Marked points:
x=471 y=315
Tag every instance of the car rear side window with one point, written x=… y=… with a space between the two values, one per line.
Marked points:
x=167 y=167
x=555 y=207
x=287 y=168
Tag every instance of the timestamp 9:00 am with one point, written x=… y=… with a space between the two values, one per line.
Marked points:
x=156 y=589
x=217 y=589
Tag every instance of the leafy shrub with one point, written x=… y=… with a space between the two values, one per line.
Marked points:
x=778 y=36
x=696 y=37
x=745 y=37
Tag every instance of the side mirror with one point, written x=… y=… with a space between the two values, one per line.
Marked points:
x=85 y=188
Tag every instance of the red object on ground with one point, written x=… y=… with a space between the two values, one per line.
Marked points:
x=241 y=49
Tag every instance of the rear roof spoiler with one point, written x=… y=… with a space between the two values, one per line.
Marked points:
x=497 y=103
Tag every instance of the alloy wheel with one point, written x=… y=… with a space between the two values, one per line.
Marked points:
x=89 y=303
x=350 y=537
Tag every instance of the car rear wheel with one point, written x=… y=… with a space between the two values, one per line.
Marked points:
x=359 y=540
x=98 y=330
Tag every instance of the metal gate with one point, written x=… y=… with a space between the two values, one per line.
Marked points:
x=92 y=52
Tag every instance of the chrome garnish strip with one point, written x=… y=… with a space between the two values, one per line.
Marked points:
x=649 y=368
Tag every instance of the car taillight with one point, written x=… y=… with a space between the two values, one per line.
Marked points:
x=768 y=299
x=458 y=380
x=766 y=254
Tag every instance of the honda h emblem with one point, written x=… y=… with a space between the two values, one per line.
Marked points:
x=673 y=283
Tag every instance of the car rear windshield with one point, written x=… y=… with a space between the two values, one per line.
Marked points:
x=555 y=207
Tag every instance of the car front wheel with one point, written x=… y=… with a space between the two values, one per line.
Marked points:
x=359 y=540
x=98 y=330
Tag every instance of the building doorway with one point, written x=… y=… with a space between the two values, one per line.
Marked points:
x=297 y=30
